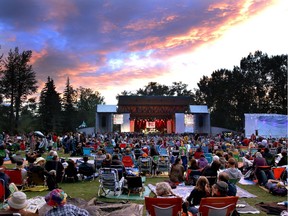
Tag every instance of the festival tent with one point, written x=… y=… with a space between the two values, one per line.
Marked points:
x=266 y=125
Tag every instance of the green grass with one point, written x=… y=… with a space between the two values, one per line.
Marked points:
x=88 y=190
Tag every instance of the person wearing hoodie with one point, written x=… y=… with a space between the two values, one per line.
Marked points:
x=202 y=162
x=232 y=171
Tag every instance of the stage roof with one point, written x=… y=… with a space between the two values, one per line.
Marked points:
x=154 y=100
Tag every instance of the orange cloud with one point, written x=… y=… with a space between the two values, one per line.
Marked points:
x=38 y=55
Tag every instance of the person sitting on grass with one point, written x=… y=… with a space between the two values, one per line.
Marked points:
x=176 y=174
x=232 y=171
x=86 y=169
x=163 y=189
x=57 y=199
x=201 y=190
x=219 y=189
x=17 y=204
x=232 y=189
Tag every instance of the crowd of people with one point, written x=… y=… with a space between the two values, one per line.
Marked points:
x=188 y=155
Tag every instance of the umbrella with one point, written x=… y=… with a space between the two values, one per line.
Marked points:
x=38 y=133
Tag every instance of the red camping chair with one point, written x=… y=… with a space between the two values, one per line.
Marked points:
x=218 y=206
x=15 y=176
x=127 y=161
x=278 y=171
x=2 y=191
x=163 y=206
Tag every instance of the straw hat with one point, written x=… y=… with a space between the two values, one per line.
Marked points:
x=39 y=159
x=18 y=200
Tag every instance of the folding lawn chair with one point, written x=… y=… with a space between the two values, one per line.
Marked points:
x=163 y=206
x=163 y=164
x=109 y=181
x=145 y=164
x=217 y=206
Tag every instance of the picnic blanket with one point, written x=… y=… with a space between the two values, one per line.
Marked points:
x=243 y=207
x=147 y=192
x=184 y=191
x=246 y=181
x=271 y=208
x=181 y=191
x=241 y=193
x=96 y=208
x=36 y=188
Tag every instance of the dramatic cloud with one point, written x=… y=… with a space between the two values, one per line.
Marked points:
x=112 y=46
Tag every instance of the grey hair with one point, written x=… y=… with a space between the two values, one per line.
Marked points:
x=163 y=188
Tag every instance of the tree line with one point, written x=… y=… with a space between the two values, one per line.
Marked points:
x=259 y=85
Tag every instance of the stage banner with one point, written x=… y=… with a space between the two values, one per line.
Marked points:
x=150 y=124
x=132 y=125
x=169 y=126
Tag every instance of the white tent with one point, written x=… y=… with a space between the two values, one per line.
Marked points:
x=266 y=125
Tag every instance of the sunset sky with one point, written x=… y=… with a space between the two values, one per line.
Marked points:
x=116 y=45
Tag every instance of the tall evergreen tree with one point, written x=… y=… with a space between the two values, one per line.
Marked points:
x=50 y=108
x=18 y=80
x=69 y=105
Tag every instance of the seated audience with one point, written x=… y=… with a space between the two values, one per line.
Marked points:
x=270 y=160
x=232 y=189
x=116 y=163
x=219 y=189
x=232 y=171
x=202 y=162
x=247 y=163
x=261 y=174
x=36 y=174
x=55 y=164
x=176 y=173
x=201 y=190
x=198 y=153
x=163 y=189
x=20 y=166
x=57 y=199
x=71 y=170
x=211 y=171
x=17 y=204
x=193 y=165
x=86 y=169
x=5 y=178
x=283 y=160
x=107 y=161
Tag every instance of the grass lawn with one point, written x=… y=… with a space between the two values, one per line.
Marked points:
x=88 y=190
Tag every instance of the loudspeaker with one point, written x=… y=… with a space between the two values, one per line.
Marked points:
x=200 y=120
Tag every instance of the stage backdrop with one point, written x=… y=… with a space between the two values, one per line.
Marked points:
x=266 y=125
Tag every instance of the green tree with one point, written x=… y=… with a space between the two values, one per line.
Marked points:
x=50 y=108
x=87 y=102
x=180 y=89
x=259 y=85
x=70 y=107
x=28 y=119
x=277 y=78
x=153 y=89
x=18 y=80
